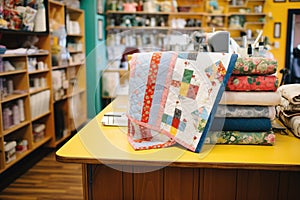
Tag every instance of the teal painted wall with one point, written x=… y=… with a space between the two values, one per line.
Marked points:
x=95 y=55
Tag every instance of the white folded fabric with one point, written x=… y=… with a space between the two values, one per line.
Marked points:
x=251 y=98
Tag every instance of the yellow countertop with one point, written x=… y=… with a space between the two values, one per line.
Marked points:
x=95 y=144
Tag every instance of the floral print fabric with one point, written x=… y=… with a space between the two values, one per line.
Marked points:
x=255 y=66
x=238 y=137
x=252 y=83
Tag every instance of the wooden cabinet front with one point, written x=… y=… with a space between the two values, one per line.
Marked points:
x=172 y=183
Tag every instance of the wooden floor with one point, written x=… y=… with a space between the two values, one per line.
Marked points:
x=48 y=179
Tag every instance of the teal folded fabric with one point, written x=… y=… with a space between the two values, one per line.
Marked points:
x=241 y=124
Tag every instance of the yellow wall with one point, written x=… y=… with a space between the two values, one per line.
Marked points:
x=279 y=14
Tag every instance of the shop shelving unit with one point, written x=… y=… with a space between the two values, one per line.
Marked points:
x=25 y=91
x=72 y=104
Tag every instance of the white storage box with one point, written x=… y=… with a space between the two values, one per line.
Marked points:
x=10 y=151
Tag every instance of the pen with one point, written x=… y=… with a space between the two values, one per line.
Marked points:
x=112 y=115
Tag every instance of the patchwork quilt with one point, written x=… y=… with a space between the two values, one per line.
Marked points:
x=173 y=97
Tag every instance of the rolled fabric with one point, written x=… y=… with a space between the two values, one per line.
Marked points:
x=252 y=83
x=251 y=98
x=243 y=111
x=288 y=106
x=255 y=66
x=241 y=124
x=291 y=92
x=293 y=123
x=240 y=137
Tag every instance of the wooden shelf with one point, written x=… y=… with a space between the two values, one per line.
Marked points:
x=74 y=51
x=12 y=72
x=56 y=3
x=38 y=71
x=34 y=91
x=40 y=116
x=75 y=35
x=13 y=97
x=137 y=13
x=15 y=127
x=38 y=54
x=61 y=99
x=74 y=10
x=22 y=32
x=246 y=14
x=77 y=92
x=59 y=67
x=41 y=142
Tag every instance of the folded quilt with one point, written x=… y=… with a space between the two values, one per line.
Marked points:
x=241 y=124
x=291 y=92
x=293 y=123
x=243 y=111
x=252 y=83
x=251 y=98
x=240 y=137
x=255 y=65
x=173 y=97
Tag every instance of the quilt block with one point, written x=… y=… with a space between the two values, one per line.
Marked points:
x=173 y=97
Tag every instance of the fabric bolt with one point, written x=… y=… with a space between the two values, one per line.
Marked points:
x=173 y=97
x=241 y=124
x=293 y=123
x=241 y=137
x=252 y=83
x=251 y=98
x=255 y=66
x=291 y=92
x=243 y=111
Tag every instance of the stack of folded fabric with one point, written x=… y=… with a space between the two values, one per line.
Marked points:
x=247 y=107
x=289 y=108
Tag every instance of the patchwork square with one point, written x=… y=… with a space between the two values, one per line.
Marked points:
x=193 y=91
x=187 y=76
x=184 y=88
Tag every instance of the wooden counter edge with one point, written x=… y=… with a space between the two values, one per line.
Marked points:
x=212 y=165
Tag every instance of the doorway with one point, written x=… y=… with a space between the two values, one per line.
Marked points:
x=292 y=58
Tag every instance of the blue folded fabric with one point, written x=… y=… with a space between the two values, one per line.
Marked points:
x=241 y=124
